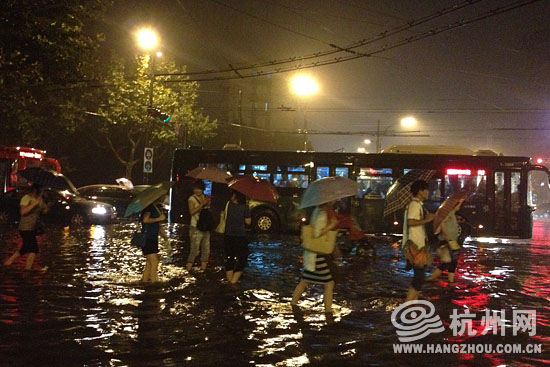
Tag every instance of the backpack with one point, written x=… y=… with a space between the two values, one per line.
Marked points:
x=206 y=222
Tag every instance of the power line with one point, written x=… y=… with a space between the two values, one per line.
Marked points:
x=354 y=55
x=335 y=49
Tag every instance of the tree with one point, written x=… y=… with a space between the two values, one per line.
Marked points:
x=45 y=46
x=124 y=127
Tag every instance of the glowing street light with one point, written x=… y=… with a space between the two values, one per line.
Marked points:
x=361 y=150
x=147 y=39
x=367 y=141
x=304 y=85
x=159 y=53
x=408 y=121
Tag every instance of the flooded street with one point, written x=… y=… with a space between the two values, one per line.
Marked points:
x=89 y=309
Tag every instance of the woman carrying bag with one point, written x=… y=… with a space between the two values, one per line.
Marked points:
x=316 y=266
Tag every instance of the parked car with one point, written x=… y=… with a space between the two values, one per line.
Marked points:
x=111 y=194
x=66 y=208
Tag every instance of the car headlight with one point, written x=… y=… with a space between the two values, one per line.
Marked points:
x=99 y=210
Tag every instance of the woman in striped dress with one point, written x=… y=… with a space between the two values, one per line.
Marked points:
x=316 y=266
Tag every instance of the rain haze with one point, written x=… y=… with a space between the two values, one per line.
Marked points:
x=472 y=73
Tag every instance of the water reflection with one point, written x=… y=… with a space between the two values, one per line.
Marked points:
x=90 y=309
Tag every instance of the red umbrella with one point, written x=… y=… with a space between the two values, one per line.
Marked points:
x=448 y=205
x=254 y=188
x=213 y=174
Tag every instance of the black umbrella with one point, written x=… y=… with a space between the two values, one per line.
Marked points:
x=47 y=178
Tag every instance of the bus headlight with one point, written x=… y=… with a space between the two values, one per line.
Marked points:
x=100 y=210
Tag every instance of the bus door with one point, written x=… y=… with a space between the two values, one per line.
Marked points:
x=510 y=217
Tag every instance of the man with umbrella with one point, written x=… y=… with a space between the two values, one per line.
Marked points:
x=31 y=206
x=414 y=244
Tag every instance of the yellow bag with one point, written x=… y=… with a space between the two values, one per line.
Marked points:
x=322 y=245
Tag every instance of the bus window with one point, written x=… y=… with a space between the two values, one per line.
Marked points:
x=253 y=167
x=295 y=180
x=322 y=172
x=342 y=171
x=374 y=183
x=476 y=185
x=434 y=186
x=538 y=192
x=265 y=176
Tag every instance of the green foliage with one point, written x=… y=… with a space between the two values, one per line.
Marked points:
x=125 y=126
x=46 y=45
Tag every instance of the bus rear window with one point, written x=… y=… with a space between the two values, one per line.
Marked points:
x=474 y=184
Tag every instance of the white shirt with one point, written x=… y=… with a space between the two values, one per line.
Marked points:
x=417 y=234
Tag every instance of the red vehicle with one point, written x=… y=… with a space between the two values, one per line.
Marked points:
x=13 y=159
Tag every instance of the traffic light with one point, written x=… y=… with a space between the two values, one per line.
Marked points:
x=158 y=114
x=540 y=160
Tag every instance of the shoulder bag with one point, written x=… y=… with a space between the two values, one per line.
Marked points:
x=223 y=216
x=322 y=245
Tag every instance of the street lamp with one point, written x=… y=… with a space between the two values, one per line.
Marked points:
x=147 y=39
x=406 y=122
x=304 y=86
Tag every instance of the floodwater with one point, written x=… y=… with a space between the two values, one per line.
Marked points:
x=89 y=309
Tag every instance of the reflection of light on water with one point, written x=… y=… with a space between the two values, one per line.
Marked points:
x=97 y=232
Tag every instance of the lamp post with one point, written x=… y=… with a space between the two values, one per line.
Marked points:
x=304 y=86
x=406 y=122
x=147 y=40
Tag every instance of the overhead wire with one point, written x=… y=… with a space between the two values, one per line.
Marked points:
x=335 y=48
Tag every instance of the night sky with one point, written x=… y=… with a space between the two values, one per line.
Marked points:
x=464 y=86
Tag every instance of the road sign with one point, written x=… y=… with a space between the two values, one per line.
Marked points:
x=148 y=160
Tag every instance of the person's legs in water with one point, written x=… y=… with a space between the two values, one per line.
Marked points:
x=452 y=265
x=327 y=297
x=300 y=288
x=205 y=250
x=417 y=282
x=445 y=258
x=194 y=240
x=153 y=269
x=12 y=258
x=147 y=270
x=241 y=246
x=30 y=260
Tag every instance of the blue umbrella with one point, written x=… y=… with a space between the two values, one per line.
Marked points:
x=147 y=197
x=328 y=189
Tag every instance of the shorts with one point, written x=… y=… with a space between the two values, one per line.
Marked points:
x=151 y=246
x=29 y=242
x=236 y=252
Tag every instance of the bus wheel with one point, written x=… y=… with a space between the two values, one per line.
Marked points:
x=77 y=219
x=265 y=222
x=4 y=217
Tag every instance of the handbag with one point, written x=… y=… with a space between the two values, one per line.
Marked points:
x=322 y=245
x=223 y=216
x=138 y=239
x=419 y=257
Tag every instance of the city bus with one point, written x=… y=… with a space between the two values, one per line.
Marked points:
x=13 y=159
x=503 y=190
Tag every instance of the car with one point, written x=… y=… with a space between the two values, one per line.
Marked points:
x=65 y=208
x=111 y=194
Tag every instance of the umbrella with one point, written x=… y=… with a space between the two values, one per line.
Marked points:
x=328 y=189
x=213 y=174
x=448 y=205
x=147 y=197
x=125 y=183
x=47 y=178
x=254 y=188
x=399 y=194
